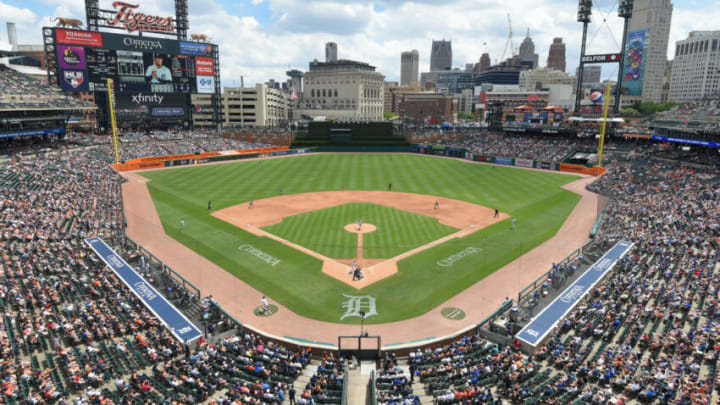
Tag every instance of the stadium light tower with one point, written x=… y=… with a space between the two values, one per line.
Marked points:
x=583 y=16
x=625 y=9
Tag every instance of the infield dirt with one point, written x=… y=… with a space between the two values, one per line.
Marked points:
x=467 y=217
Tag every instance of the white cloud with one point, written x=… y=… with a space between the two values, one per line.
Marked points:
x=298 y=30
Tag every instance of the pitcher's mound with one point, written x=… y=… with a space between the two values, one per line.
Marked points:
x=366 y=228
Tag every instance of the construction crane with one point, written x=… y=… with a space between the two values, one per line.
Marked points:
x=509 y=42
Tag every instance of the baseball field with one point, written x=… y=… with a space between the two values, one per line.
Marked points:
x=295 y=278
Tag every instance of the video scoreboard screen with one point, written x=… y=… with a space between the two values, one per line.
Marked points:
x=85 y=60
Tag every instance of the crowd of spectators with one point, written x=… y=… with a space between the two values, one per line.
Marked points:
x=135 y=145
x=535 y=147
x=71 y=330
x=70 y=327
x=20 y=91
x=394 y=384
x=646 y=333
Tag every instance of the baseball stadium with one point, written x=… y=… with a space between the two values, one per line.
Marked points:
x=152 y=254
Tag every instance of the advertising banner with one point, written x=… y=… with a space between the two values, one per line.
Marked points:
x=71 y=57
x=504 y=161
x=481 y=158
x=32 y=132
x=150 y=106
x=546 y=165
x=687 y=141
x=144 y=44
x=84 y=38
x=206 y=84
x=542 y=324
x=73 y=80
x=523 y=163
x=174 y=320
x=635 y=59
x=204 y=66
x=195 y=48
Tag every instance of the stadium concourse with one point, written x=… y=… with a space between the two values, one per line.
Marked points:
x=72 y=332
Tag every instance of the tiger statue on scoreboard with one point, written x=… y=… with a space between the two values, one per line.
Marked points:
x=200 y=37
x=67 y=22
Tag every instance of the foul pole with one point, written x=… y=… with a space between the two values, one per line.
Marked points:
x=113 y=123
x=601 y=144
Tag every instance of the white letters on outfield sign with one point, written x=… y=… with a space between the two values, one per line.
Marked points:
x=449 y=261
x=354 y=305
x=273 y=261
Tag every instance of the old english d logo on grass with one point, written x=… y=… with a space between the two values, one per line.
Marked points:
x=354 y=305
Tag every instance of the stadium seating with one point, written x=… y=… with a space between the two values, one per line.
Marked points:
x=19 y=91
x=70 y=328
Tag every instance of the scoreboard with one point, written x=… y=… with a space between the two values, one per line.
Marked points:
x=86 y=59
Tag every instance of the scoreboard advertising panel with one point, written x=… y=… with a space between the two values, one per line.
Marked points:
x=135 y=64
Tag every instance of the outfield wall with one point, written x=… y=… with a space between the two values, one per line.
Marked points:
x=450 y=151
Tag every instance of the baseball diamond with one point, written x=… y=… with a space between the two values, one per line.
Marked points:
x=536 y=199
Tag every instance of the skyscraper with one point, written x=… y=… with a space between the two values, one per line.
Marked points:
x=409 y=68
x=441 y=56
x=694 y=73
x=331 y=49
x=592 y=74
x=556 y=55
x=484 y=63
x=646 y=51
x=527 y=51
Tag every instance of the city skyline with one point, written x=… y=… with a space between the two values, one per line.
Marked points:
x=260 y=39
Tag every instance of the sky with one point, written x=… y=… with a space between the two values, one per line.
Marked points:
x=260 y=39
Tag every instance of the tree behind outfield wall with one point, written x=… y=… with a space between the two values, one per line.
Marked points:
x=649 y=108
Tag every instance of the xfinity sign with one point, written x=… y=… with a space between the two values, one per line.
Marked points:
x=140 y=99
x=607 y=58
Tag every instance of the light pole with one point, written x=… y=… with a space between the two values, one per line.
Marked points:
x=362 y=320
x=625 y=10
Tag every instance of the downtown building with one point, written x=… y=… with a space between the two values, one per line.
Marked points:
x=409 y=68
x=650 y=20
x=258 y=106
x=441 y=56
x=695 y=70
x=341 y=89
x=556 y=55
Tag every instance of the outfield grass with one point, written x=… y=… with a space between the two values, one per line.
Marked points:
x=397 y=231
x=535 y=198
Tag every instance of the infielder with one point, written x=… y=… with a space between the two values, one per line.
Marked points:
x=513 y=223
x=182 y=224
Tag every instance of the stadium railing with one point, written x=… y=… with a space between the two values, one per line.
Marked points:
x=155 y=261
x=372 y=390
x=527 y=291
x=186 y=284
x=346 y=384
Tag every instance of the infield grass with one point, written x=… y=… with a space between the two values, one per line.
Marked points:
x=535 y=198
x=324 y=230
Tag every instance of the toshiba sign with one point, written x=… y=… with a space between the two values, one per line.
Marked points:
x=84 y=38
x=204 y=66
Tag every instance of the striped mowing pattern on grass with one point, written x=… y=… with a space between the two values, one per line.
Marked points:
x=535 y=198
x=397 y=231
